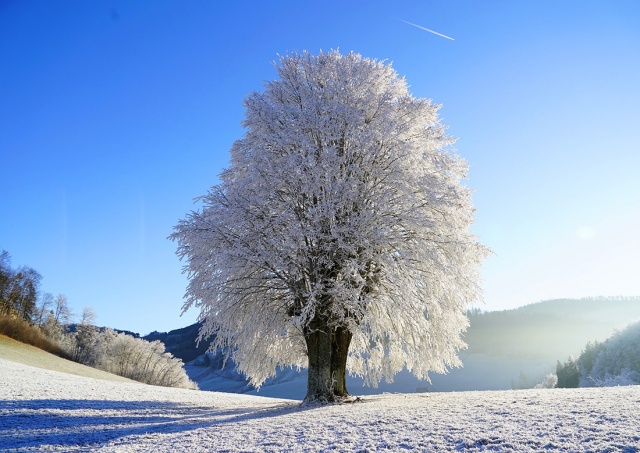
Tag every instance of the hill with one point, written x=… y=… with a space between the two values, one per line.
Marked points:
x=556 y=328
x=25 y=354
x=182 y=343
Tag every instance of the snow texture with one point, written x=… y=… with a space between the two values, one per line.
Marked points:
x=43 y=410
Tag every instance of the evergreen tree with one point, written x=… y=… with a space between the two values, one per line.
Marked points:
x=568 y=374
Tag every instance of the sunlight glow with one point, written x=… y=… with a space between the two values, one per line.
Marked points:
x=586 y=232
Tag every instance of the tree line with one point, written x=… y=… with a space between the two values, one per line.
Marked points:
x=25 y=311
x=19 y=289
x=613 y=362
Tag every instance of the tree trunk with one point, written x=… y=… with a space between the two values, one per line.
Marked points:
x=327 y=350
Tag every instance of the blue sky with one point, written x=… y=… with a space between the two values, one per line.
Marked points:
x=115 y=115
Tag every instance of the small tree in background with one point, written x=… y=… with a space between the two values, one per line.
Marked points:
x=549 y=382
x=86 y=338
x=588 y=358
x=521 y=383
x=568 y=374
x=55 y=323
x=62 y=312
x=339 y=234
x=43 y=309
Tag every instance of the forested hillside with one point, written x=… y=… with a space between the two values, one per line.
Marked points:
x=182 y=343
x=555 y=328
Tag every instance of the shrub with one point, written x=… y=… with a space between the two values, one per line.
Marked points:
x=20 y=330
x=141 y=360
x=549 y=382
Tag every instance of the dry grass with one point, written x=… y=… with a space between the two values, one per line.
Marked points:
x=20 y=330
x=15 y=351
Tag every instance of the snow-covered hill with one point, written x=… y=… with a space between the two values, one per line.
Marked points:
x=16 y=351
x=49 y=410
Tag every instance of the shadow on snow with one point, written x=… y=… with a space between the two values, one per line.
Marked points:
x=82 y=423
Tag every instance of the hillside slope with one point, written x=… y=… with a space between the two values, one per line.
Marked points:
x=14 y=351
x=182 y=343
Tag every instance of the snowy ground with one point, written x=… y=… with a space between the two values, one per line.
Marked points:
x=47 y=410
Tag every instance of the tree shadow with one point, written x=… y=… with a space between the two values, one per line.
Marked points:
x=85 y=423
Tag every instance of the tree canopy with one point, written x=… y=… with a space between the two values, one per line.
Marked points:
x=19 y=289
x=342 y=213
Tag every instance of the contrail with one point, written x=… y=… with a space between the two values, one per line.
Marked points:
x=426 y=29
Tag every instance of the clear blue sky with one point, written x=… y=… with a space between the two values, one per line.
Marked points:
x=115 y=114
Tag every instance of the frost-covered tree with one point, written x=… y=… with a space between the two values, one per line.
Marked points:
x=549 y=382
x=613 y=362
x=140 y=360
x=617 y=360
x=587 y=360
x=61 y=311
x=56 y=321
x=56 y=332
x=339 y=234
x=85 y=339
x=43 y=309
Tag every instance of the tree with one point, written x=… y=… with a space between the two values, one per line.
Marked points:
x=568 y=374
x=522 y=383
x=616 y=361
x=588 y=358
x=85 y=338
x=43 y=309
x=549 y=382
x=21 y=293
x=339 y=234
x=6 y=276
x=140 y=360
x=55 y=332
x=62 y=312
x=19 y=289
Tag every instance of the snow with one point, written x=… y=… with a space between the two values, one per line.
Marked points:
x=44 y=410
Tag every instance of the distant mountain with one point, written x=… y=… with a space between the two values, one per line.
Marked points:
x=557 y=328
x=182 y=343
x=507 y=349
x=517 y=348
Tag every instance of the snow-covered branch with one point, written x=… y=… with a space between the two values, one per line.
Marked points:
x=343 y=207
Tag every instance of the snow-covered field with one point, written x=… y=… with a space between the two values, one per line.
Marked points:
x=42 y=410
